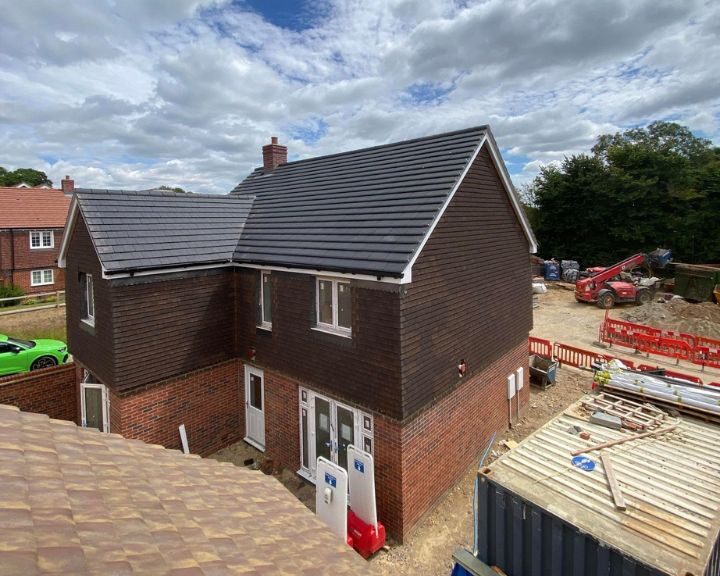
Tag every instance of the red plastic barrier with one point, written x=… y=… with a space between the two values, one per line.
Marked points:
x=540 y=346
x=707 y=352
x=671 y=373
x=581 y=358
x=715 y=384
x=669 y=347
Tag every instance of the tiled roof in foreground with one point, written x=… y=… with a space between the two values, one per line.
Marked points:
x=77 y=501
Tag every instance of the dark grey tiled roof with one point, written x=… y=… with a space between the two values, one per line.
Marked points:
x=159 y=229
x=362 y=211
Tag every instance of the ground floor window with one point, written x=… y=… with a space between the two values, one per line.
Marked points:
x=327 y=428
x=94 y=403
x=41 y=277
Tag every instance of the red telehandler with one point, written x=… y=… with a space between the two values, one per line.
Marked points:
x=602 y=289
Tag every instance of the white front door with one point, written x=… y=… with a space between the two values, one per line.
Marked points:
x=94 y=406
x=254 y=407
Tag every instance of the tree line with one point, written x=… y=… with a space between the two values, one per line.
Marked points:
x=23 y=175
x=637 y=190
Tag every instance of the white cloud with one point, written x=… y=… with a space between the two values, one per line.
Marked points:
x=185 y=92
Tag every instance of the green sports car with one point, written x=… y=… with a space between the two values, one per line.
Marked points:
x=24 y=355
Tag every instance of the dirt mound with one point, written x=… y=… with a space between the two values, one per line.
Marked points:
x=702 y=319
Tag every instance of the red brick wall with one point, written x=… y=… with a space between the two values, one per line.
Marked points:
x=17 y=260
x=51 y=391
x=282 y=421
x=441 y=443
x=208 y=401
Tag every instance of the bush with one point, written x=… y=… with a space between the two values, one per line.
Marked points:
x=10 y=292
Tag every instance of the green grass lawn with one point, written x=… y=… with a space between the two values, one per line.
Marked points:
x=48 y=323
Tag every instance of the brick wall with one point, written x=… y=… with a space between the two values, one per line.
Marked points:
x=282 y=424
x=208 y=401
x=441 y=443
x=17 y=260
x=51 y=391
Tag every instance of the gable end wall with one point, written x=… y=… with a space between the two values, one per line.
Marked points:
x=470 y=297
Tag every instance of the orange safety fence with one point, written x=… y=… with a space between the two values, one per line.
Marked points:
x=581 y=358
x=540 y=346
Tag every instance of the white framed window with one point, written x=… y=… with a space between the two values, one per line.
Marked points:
x=265 y=300
x=42 y=239
x=334 y=306
x=94 y=403
x=87 y=299
x=327 y=428
x=42 y=277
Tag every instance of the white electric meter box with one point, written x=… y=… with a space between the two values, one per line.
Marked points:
x=331 y=496
x=511 y=386
x=361 y=476
x=520 y=376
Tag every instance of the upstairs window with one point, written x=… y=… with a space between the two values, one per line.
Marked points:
x=265 y=300
x=42 y=239
x=334 y=306
x=87 y=299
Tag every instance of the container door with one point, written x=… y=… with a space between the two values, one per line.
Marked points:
x=255 y=407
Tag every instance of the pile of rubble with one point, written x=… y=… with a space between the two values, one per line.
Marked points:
x=702 y=319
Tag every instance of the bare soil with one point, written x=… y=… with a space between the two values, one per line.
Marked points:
x=702 y=319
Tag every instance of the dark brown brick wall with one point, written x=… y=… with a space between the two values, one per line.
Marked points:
x=17 y=260
x=208 y=401
x=92 y=346
x=471 y=292
x=169 y=325
x=364 y=369
x=51 y=391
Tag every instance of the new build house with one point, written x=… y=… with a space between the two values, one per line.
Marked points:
x=379 y=297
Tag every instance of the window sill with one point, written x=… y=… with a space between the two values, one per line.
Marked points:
x=88 y=322
x=41 y=247
x=332 y=331
x=264 y=326
x=39 y=285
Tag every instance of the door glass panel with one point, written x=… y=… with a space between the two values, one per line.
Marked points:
x=256 y=391
x=323 y=439
x=325 y=313
x=93 y=408
x=344 y=305
x=346 y=434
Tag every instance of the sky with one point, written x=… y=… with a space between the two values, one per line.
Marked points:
x=138 y=94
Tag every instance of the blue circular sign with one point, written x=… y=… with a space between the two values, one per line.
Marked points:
x=584 y=463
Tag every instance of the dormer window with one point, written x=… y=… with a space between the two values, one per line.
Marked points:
x=334 y=306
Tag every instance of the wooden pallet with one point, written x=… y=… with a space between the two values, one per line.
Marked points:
x=633 y=415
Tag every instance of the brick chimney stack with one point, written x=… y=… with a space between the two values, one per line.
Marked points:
x=67 y=185
x=273 y=155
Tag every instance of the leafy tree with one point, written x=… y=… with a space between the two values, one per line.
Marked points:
x=640 y=189
x=27 y=175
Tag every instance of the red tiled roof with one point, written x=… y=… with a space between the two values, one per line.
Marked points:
x=33 y=208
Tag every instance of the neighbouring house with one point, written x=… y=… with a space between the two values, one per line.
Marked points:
x=31 y=229
x=379 y=297
x=75 y=501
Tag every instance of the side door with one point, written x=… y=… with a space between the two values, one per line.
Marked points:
x=94 y=406
x=255 y=407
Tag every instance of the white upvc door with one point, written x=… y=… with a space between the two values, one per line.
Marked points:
x=94 y=406
x=255 y=407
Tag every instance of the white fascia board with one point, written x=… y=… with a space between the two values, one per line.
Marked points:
x=514 y=200
x=69 y=225
x=407 y=272
x=325 y=273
